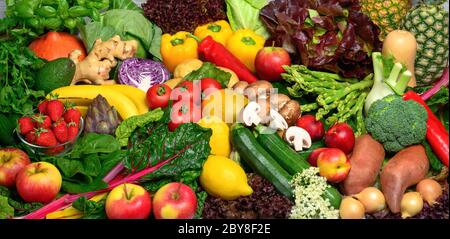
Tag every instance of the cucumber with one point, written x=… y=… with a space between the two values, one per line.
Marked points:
x=283 y=153
x=292 y=162
x=260 y=160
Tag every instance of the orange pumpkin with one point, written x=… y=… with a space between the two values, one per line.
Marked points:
x=54 y=45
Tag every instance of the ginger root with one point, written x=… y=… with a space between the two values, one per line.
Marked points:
x=95 y=68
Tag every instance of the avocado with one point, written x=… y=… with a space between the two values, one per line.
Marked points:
x=55 y=74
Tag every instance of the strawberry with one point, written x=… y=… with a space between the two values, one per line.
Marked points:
x=60 y=130
x=72 y=129
x=45 y=137
x=72 y=115
x=42 y=121
x=55 y=110
x=42 y=107
x=30 y=137
x=26 y=125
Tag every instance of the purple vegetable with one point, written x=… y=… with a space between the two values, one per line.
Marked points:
x=142 y=73
x=325 y=35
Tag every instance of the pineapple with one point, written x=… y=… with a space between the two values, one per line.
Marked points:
x=386 y=14
x=429 y=24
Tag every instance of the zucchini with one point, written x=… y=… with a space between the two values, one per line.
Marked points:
x=260 y=160
x=282 y=152
x=291 y=161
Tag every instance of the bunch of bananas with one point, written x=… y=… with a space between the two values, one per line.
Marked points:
x=127 y=100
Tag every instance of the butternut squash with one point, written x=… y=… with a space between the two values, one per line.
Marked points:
x=402 y=46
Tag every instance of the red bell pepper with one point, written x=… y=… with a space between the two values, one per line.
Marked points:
x=214 y=52
x=436 y=135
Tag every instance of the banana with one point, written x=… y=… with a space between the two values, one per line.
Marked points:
x=77 y=101
x=124 y=106
x=137 y=95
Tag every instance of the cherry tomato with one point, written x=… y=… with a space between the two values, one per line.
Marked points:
x=182 y=112
x=208 y=86
x=158 y=96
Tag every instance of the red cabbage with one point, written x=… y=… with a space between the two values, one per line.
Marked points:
x=337 y=38
x=142 y=73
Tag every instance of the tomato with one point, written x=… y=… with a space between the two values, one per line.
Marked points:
x=208 y=86
x=186 y=91
x=182 y=112
x=158 y=96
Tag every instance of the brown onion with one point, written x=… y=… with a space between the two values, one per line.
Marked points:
x=411 y=204
x=372 y=199
x=351 y=209
x=430 y=190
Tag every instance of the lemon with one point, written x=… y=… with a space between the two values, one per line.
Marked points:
x=224 y=178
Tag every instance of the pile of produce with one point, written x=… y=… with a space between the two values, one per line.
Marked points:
x=224 y=109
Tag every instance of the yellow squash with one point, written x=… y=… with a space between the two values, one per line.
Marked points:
x=220 y=138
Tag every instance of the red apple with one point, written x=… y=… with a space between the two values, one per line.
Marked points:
x=333 y=165
x=128 y=201
x=269 y=63
x=340 y=136
x=314 y=127
x=38 y=182
x=12 y=160
x=312 y=158
x=174 y=201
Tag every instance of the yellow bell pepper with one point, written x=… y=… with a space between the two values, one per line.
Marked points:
x=220 y=138
x=245 y=44
x=220 y=31
x=177 y=48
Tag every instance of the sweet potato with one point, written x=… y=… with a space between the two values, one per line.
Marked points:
x=366 y=160
x=405 y=169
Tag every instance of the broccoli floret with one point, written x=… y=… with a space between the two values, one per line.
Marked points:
x=397 y=123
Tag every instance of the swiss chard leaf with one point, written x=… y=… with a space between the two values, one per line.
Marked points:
x=6 y=211
x=20 y=208
x=209 y=70
x=90 y=209
x=188 y=147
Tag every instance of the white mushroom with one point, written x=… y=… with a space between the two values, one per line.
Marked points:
x=277 y=121
x=250 y=114
x=298 y=137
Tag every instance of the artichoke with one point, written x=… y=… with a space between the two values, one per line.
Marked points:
x=101 y=118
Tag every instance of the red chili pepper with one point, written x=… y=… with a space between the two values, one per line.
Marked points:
x=436 y=135
x=216 y=53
